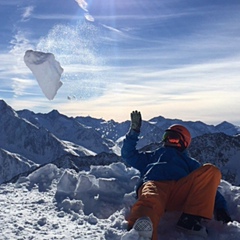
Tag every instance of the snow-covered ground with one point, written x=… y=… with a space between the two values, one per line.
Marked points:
x=53 y=203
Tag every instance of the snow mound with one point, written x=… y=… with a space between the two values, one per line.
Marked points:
x=46 y=70
x=56 y=203
x=100 y=187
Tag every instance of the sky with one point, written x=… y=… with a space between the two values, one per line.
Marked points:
x=171 y=58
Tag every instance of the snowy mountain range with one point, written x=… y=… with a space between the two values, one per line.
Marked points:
x=63 y=177
x=29 y=140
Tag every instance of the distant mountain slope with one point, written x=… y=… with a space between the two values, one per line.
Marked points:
x=17 y=135
x=228 y=128
x=68 y=128
x=28 y=139
x=99 y=135
x=13 y=164
x=197 y=128
x=220 y=149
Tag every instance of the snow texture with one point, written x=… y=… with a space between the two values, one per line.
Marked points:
x=59 y=189
x=46 y=70
x=53 y=203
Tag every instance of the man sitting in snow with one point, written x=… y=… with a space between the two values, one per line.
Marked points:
x=172 y=181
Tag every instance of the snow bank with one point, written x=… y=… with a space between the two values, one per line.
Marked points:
x=102 y=186
x=42 y=178
x=46 y=70
x=64 y=204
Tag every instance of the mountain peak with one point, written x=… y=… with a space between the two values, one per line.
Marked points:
x=6 y=109
x=54 y=114
x=225 y=124
x=228 y=128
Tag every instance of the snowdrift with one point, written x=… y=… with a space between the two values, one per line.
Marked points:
x=53 y=203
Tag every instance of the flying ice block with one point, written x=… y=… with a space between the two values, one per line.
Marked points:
x=46 y=70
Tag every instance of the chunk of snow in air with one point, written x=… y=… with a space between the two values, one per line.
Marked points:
x=46 y=70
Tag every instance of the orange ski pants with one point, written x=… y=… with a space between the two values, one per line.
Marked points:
x=194 y=194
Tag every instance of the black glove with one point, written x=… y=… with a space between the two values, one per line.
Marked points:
x=136 y=121
x=222 y=215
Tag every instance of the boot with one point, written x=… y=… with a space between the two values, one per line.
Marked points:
x=144 y=228
x=191 y=224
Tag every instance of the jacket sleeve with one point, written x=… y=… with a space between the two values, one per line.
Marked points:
x=131 y=155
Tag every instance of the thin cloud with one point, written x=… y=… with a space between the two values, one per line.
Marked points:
x=56 y=17
x=15 y=70
x=111 y=28
x=164 y=58
x=35 y=104
x=27 y=13
x=83 y=4
x=20 y=86
x=19 y=44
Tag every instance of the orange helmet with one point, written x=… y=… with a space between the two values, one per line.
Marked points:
x=177 y=136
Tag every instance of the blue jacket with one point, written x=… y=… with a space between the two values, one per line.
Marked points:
x=164 y=164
